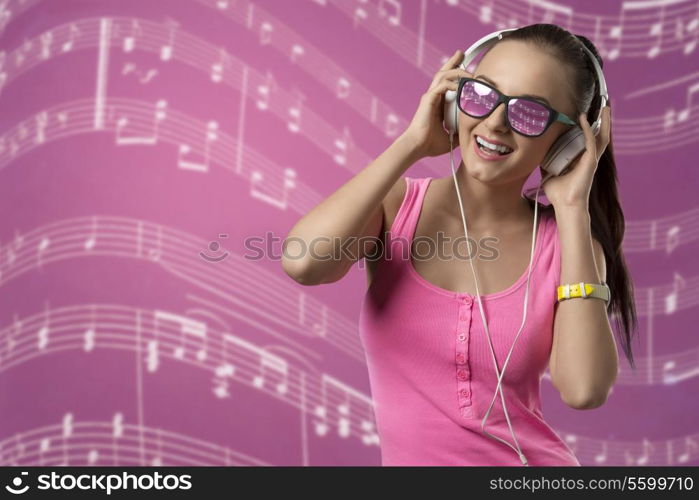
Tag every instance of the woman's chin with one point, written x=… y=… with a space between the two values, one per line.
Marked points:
x=489 y=172
x=483 y=170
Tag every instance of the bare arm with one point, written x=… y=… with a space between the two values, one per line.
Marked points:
x=339 y=231
x=584 y=360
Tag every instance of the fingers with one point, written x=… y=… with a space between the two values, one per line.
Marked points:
x=605 y=127
x=453 y=60
x=606 y=123
x=446 y=70
x=587 y=130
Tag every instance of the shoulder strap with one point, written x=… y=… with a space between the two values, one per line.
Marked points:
x=409 y=211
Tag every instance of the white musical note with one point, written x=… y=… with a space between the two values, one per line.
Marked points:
x=668 y=378
x=41 y=248
x=391 y=126
x=294 y=124
x=256 y=178
x=656 y=30
x=683 y=114
x=672 y=238
x=278 y=367
x=44 y=446
x=321 y=328
x=671 y=298
x=601 y=457
x=186 y=326
x=647 y=448
x=159 y=115
x=359 y=14
x=264 y=92
x=41 y=122
x=89 y=335
x=342 y=88
x=46 y=39
x=266 y=30
x=267 y=362
x=117 y=433
x=67 y=46
x=218 y=67
x=572 y=442
x=154 y=253
x=344 y=410
x=690 y=446
x=393 y=19
x=223 y=371
x=617 y=32
x=485 y=12
x=167 y=49
x=669 y=119
x=92 y=238
x=153 y=356
x=67 y=433
x=43 y=333
x=185 y=150
x=550 y=10
x=690 y=30
x=130 y=41
x=22 y=51
x=342 y=147
x=296 y=51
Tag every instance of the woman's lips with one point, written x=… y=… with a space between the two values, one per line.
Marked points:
x=491 y=141
x=486 y=156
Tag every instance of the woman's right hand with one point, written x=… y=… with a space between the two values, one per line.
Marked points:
x=426 y=130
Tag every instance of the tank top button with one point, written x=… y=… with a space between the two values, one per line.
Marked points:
x=464 y=392
x=462 y=375
x=461 y=359
x=467 y=300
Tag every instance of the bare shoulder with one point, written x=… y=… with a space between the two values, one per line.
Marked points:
x=390 y=206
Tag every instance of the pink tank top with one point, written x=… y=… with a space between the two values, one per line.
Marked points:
x=430 y=367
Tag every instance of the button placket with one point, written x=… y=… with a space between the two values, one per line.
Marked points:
x=463 y=375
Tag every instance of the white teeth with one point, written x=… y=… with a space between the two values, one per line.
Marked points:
x=494 y=147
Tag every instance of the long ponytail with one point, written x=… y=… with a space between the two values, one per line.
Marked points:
x=606 y=215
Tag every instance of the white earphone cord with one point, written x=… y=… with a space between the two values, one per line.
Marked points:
x=500 y=375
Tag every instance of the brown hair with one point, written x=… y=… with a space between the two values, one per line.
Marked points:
x=606 y=215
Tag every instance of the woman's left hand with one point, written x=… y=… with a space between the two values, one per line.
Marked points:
x=573 y=188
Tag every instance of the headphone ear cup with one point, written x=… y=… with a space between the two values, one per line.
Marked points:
x=451 y=124
x=566 y=148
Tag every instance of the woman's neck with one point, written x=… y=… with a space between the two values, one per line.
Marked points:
x=487 y=206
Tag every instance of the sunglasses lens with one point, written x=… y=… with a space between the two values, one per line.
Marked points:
x=526 y=116
x=477 y=99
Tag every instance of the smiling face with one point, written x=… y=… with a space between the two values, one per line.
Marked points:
x=515 y=68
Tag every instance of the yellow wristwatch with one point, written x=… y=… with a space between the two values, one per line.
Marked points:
x=584 y=290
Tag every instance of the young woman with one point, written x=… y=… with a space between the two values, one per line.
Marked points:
x=431 y=371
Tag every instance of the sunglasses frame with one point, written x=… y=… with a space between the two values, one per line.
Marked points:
x=554 y=115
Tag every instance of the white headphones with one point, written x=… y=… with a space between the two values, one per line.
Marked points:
x=566 y=148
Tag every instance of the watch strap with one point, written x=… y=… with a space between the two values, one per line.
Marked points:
x=584 y=290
